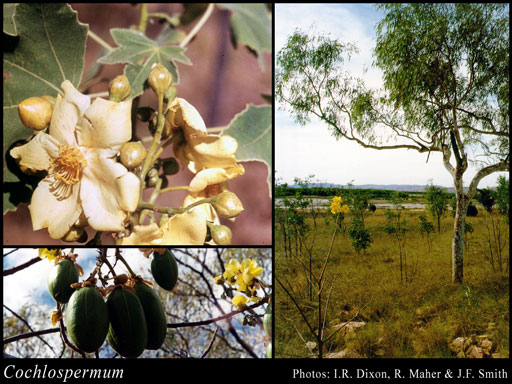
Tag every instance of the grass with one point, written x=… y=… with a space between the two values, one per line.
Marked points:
x=416 y=318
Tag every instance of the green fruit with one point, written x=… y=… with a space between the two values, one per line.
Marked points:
x=267 y=320
x=61 y=276
x=154 y=314
x=86 y=319
x=164 y=270
x=127 y=333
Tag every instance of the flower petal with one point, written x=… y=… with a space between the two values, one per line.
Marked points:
x=106 y=124
x=187 y=228
x=129 y=188
x=206 y=210
x=66 y=113
x=187 y=118
x=37 y=153
x=214 y=176
x=143 y=235
x=213 y=151
x=47 y=211
x=102 y=198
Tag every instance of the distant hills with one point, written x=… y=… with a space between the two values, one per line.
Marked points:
x=391 y=187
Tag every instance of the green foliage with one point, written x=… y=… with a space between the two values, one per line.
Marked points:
x=503 y=196
x=437 y=203
x=450 y=53
x=141 y=53
x=49 y=48
x=251 y=25
x=253 y=129
x=361 y=237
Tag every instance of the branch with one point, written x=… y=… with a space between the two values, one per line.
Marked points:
x=29 y=327
x=12 y=270
x=215 y=319
x=503 y=165
x=30 y=334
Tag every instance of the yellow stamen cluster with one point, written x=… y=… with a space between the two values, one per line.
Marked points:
x=66 y=170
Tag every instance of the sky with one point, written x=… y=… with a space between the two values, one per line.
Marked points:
x=311 y=150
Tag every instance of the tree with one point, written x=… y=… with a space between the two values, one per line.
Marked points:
x=436 y=203
x=446 y=84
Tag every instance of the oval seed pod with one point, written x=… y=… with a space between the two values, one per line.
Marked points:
x=267 y=320
x=35 y=113
x=61 y=276
x=164 y=270
x=87 y=319
x=127 y=333
x=154 y=313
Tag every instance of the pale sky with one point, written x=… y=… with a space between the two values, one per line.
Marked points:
x=302 y=151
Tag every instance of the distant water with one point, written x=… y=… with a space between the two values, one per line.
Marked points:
x=324 y=203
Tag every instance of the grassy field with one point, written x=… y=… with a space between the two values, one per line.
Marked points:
x=374 y=311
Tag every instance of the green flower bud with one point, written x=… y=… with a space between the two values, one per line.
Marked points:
x=170 y=166
x=152 y=177
x=144 y=114
x=160 y=79
x=221 y=234
x=227 y=205
x=35 y=113
x=132 y=154
x=119 y=88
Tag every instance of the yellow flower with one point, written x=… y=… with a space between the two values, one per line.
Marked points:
x=345 y=209
x=239 y=301
x=79 y=155
x=231 y=271
x=49 y=253
x=336 y=205
x=250 y=271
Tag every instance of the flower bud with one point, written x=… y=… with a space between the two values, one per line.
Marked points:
x=119 y=88
x=120 y=279
x=35 y=113
x=152 y=177
x=170 y=166
x=227 y=205
x=75 y=234
x=221 y=234
x=132 y=154
x=160 y=79
x=144 y=114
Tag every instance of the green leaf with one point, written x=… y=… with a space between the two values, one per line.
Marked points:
x=50 y=49
x=251 y=25
x=252 y=128
x=9 y=26
x=141 y=53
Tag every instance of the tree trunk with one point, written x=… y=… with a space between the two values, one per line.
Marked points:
x=458 y=231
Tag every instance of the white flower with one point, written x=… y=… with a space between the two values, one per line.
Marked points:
x=83 y=176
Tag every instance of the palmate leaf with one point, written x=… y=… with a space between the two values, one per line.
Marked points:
x=252 y=128
x=251 y=25
x=50 y=49
x=141 y=53
x=9 y=27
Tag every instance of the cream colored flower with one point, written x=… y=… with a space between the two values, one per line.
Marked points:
x=79 y=155
x=187 y=228
x=198 y=150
